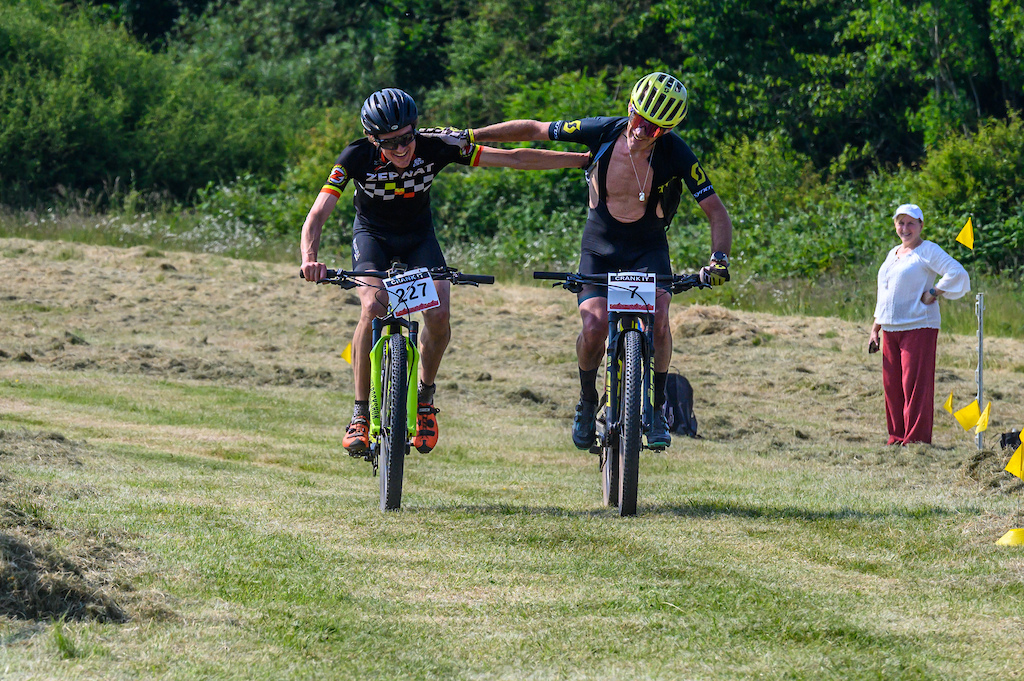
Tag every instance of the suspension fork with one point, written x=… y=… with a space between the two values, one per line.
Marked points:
x=382 y=329
x=618 y=323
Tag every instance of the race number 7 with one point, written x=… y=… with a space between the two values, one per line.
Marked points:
x=631 y=291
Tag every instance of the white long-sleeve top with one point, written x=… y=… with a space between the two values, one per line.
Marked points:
x=902 y=281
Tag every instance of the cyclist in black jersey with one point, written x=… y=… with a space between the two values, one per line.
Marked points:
x=639 y=163
x=393 y=168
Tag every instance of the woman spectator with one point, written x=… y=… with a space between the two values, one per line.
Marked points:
x=907 y=311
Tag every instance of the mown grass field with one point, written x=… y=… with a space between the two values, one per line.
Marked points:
x=175 y=502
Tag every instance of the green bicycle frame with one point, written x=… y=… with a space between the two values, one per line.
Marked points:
x=376 y=360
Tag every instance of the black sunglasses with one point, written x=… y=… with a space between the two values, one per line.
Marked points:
x=393 y=143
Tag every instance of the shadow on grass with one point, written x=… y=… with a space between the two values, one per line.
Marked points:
x=709 y=510
x=690 y=510
x=40 y=584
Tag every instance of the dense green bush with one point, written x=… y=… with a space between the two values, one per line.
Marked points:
x=83 y=105
x=980 y=176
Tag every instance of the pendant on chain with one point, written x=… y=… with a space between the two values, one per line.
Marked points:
x=643 y=197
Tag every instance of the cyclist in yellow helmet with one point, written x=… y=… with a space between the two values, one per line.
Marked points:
x=635 y=183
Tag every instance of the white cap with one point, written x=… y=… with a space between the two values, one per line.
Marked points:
x=911 y=209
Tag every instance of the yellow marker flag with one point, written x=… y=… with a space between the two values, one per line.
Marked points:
x=966 y=235
x=983 y=419
x=968 y=416
x=346 y=354
x=948 y=406
x=1016 y=465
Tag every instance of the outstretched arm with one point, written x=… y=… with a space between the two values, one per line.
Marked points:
x=531 y=159
x=512 y=131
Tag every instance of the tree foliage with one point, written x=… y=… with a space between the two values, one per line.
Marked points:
x=810 y=115
x=82 y=105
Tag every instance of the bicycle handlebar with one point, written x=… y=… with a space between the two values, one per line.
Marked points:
x=574 y=281
x=343 y=277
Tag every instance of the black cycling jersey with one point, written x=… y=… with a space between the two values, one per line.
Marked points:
x=671 y=158
x=391 y=199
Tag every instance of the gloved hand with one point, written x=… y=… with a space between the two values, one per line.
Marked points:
x=462 y=138
x=716 y=272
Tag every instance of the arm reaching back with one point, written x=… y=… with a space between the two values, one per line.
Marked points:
x=531 y=159
x=512 y=131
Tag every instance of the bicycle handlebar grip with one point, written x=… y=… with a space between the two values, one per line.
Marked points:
x=477 y=278
x=331 y=274
x=560 y=276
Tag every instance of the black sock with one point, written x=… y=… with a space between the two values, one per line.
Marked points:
x=361 y=408
x=588 y=385
x=660 y=378
x=425 y=393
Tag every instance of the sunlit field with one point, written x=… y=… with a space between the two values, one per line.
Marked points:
x=177 y=504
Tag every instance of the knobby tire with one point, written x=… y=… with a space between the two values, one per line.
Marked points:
x=630 y=418
x=393 y=422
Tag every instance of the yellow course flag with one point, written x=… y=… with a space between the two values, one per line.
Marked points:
x=948 y=406
x=968 y=416
x=966 y=235
x=346 y=355
x=983 y=419
x=1016 y=465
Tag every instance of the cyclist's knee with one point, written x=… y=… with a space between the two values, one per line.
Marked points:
x=438 y=316
x=371 y=309
x=594 y=331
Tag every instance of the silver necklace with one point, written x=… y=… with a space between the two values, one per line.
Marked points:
x=643 y=196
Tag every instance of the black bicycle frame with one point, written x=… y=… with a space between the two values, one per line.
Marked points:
x=394 y=325
x=618 y=324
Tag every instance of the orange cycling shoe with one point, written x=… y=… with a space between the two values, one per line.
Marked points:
x=357 y=437
x=426 y=428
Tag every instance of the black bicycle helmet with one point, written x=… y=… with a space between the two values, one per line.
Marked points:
x=388 y=110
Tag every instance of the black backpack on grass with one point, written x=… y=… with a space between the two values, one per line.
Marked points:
x=679 y=406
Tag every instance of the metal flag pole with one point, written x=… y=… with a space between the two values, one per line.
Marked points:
x=979 y=309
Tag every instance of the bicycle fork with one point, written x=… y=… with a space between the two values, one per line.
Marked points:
x=618 y=324
x=382 y=330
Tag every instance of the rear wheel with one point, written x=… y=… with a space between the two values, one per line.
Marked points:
x=393 y=422
x=609 y=463
x=630 y=418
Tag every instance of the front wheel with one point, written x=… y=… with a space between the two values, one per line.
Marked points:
x=630 y=417
x=393 y=425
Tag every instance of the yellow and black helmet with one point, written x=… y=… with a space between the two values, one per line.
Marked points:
x=660 y=98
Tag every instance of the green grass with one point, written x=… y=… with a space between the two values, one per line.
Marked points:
x=216 y=511
x=164 y=227
x=502 y=563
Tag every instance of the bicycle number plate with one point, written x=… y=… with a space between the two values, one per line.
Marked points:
x=631 y=291
x=410 y=292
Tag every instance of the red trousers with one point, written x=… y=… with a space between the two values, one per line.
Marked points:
x=908 y=378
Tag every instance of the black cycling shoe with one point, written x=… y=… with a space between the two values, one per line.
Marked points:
x=584 y=428
x=659 y=437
